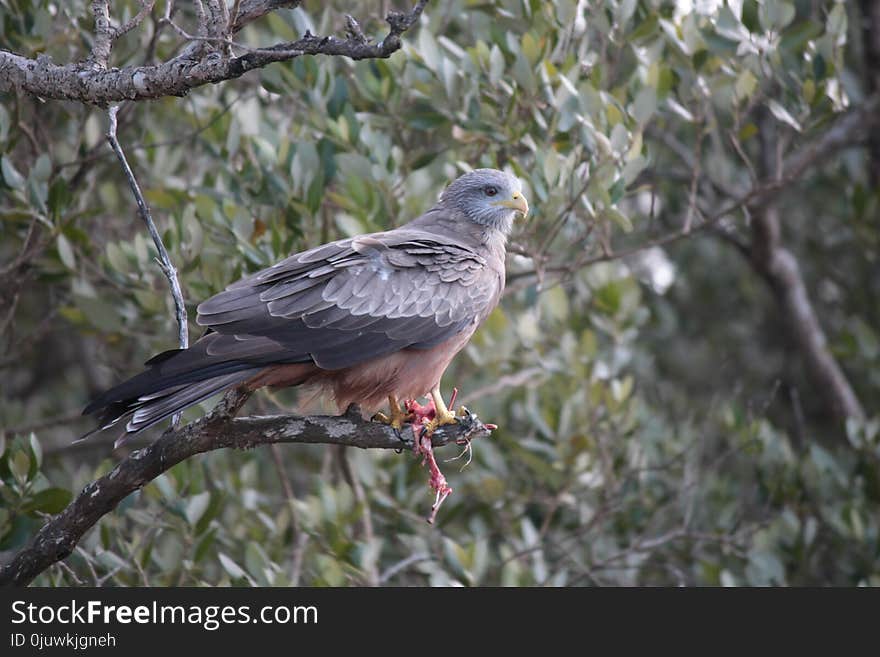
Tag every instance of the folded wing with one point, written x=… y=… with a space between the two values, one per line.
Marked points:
x=353 y=300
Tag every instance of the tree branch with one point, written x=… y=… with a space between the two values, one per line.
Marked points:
x=164 y=259
x=93 y=83
x=217 y=430
x=137 y=19
x=780 y=269
x=103 y=41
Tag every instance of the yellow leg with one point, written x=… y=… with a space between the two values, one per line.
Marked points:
x=398 y=415
x=442 y=415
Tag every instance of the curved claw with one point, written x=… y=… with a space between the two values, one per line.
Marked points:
x=439 y=421
x=398 y=418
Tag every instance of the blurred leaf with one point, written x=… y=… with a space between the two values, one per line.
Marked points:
x=233 y=569
x=49 y=500
x=10 y=175
x=783 y=115
x=65 y=252
x=196 y=507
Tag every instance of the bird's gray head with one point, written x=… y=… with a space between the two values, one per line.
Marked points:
x=488 y=197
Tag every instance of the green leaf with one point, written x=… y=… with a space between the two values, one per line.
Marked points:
x=617 y=190
x=49 y=500
x=116 y=257
x=10 y=175
x=748 y=131
x=620 y=219
x=719 y=45
x=775 y=15
x=646 y=28
x=496 y=65
x=59 y=196
x=555 y=300
x=4 y=124
x=257 y=563
x=204 y=545
x=36 y=450
x=799 y=35
x=619 y=138
x=65 y=252
x=99 y=313
x=20 y=466
x=746 y=82
x=530 y=48
x=196 y=507
x=427 y=48
x=42 y=168
x=835 y=25
x=644 y=105
x=783 y=114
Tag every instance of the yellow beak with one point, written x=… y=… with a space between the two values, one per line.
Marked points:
x=517 y=202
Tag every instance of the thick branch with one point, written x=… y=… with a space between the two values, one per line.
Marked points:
x=780 y=268
x=178 y=76
x=217 y=430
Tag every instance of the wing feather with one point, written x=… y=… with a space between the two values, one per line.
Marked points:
x=353 y=300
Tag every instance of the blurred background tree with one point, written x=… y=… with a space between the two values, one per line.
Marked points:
x=685 y=364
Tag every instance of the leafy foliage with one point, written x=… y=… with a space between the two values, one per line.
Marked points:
x=657 y=426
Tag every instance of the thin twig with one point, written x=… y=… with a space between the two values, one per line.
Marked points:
x=233 y=16
x=226 y=41
x=164 y=261
x=146 y=8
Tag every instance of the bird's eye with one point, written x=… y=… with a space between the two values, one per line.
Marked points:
x=491 y=190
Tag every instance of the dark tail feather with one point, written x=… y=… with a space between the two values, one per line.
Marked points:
x=157 y=407
x=155 y=380
x=156 y=404
x=179 y=378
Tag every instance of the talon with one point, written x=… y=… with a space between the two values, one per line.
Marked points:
x=439 y=421
x=398 y=418
x=442 y=415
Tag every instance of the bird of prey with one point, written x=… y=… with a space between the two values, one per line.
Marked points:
x=368 y=318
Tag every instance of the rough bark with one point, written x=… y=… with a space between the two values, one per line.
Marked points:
x=217 y=430
x=780 y=269
x=207 y=61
